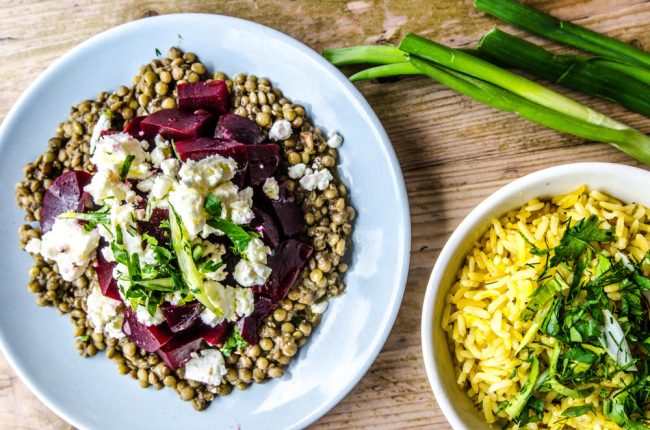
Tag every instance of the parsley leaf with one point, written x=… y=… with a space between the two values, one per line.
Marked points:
x=239 y=237
x=213 y=206
x=126 y=165
x=579 y=237
x=234 y=343
x=576 y=411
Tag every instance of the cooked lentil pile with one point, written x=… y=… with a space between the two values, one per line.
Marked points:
x=326 y=213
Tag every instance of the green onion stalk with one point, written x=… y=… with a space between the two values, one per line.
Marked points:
x=501 y=89
x=544 y=25
x=593 y=76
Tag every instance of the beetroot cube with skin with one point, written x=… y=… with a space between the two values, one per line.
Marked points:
x=149 y=338
x=212 y=96
x=181 y=318
x=287 y=212
x=65 y=194
x=263 y=160
x=133 y=127
x=249 y=326
x=177 y=124
x=218 y=334
x=179 y=350
x=264 y=225
x=107 y=284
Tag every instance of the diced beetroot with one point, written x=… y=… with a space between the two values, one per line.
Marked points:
x=177 y=124
x=243 y=130
x=179 y=350
x=65 y=194
x=249 y=326
x=133 y=127
x=181 y=318
x=263 y=160
x=286 y=262
x=198 y=149
x=149 y=338
x=211 y=95
x=217 y=335
x=107 y=283
x=264 y=224
x=286 y=211
x=108 y=132
x=152 y=226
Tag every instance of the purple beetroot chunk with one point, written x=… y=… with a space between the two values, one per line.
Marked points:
x=133 y=127
x=152 y=226
x=149 y=338
x=65 y=194
x=263 y=160
x=204 y=147
x=181 y=318
x=212 y=96
x=218 y=334
x=179 y=350
x=249 y=326
x=243 y=130
x=287 y=212
x=264 y=225
x=107 y=283
x=286 y=262
x=177 y=124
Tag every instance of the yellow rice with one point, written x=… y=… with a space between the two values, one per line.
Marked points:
x=481 y=315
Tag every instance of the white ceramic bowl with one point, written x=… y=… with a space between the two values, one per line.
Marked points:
x=625 y=183
x=90 y=393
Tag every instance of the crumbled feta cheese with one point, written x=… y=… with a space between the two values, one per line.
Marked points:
x=107 y=253
x=170 y=167
x=112 y=150
x=256 y=251
x=208 y=172
x=208 y=367
x=223 y=297
x=105 y=185
x=103 y=124
x=244 y=303
x=146 y=184
x=320 y=307
x=188 y=204
x=123 y=217
x=70 y=246
x=249 y=273
x=162 y=185
x=210 y=318
x=280 y=130
x=161 y=151
x=271 y=188
x=174 y=298
x=143 y=316
x=334 y=140
x=113 y=328
x=241 y=211
x=319 y=179
x=33 y=246
x=297 y=171
x=101 y=309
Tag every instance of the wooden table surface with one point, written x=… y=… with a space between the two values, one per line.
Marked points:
x=454 y=152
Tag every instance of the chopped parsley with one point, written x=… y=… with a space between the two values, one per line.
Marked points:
x=126 y=166
x=234 y=343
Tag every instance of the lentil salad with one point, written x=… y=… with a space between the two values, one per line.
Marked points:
x=326 y=214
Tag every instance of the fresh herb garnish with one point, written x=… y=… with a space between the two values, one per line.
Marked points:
x=126 y=166
x=234 y=343
x=579 y=237
x=93 y=219
x=213 y=206
x=239 y=237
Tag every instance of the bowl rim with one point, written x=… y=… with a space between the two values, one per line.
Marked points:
x=476 y=215
x=403 y=259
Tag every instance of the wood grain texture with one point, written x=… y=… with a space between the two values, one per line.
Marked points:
x=454 y=152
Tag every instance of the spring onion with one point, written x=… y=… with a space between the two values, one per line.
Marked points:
x=542 y=24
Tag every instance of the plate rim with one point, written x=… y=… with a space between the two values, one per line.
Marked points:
x=403 y=259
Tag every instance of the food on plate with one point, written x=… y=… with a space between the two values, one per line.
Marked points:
x=548 y=319
x=191 y=225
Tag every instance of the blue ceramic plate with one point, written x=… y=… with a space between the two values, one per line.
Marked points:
x=89 y=393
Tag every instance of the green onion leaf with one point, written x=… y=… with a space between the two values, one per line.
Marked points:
x=126 y=165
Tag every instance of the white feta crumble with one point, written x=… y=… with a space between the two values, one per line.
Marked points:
x=280 y=130
x=161 y=187
x=210 y=318
x=103 y=124
x=101 y=309
x=208 y=367
x=319 y=179
x=113 y=328
x=244 y=302
x=161 y=151
x=334 y=140
x=271 y=188
x=256 y=251
x=105 y=185
x=224 y=298
x=241 y=211
x=33 y=246
x=320 y=307
x=249 y=273
x=208 y=172
x=297 y=171
x=70 y=246
x=112 y=150
x=143 y=316
x=170 y=167
x=188 y=204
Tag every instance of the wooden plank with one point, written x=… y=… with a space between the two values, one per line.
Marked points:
x=454 y=152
